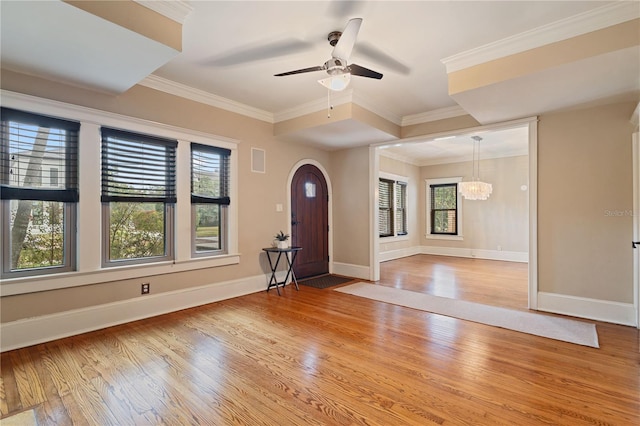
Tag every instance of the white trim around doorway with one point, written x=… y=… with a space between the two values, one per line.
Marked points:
x=327 y=179
x=532 y=122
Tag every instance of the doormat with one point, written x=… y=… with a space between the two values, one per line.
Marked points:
x=324 y=281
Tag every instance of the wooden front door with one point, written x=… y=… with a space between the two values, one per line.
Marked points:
x=310 y=221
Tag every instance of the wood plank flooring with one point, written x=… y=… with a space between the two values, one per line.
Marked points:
x=490 y=282
x=320 y=357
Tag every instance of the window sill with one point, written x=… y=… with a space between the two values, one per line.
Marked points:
x=24 y=285
x=444 y=237
x=394 y=239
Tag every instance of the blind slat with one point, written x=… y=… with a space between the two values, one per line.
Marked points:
x=38 y=157
x=137 y=168
x=210 y=175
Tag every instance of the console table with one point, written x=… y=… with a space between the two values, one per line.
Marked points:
x=273 y=281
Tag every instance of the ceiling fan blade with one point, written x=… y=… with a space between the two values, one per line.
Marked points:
x=364 y=72
x=300 y=71
x=381 y=58
x=253 y=53
x=347 y=39
x=342 y=9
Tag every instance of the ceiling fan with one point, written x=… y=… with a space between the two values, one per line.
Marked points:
x=338 y=68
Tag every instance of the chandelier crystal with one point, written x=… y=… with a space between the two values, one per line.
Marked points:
x=475 y=189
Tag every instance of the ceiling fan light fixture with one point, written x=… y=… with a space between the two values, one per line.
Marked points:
x=336 y=82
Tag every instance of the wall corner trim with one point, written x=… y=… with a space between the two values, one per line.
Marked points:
x=504 y=255
x=349 y=270
x=582 y=307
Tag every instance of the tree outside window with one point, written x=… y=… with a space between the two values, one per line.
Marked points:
x=138 y=196
x=37 y=217
x=209 y=198
x=443 y=209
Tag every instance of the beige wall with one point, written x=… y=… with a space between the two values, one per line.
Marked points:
x=438 y=126
x=258 y=193
x=351 y=206
x=499 y=223
x=400 y=168
x=584 y=181
x=137 y=18
x=584 y=198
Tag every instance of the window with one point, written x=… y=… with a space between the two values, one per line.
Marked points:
x=38 y=220
x=401 y=208
x=392 y=207
x=138 y=197
x=209 y=199
x=444 y=209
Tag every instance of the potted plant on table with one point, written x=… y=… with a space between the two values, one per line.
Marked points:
x=282 y=240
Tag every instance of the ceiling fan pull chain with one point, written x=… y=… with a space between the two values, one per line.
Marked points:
x=329 y=108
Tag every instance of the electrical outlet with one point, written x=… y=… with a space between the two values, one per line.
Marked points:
x=145 y=288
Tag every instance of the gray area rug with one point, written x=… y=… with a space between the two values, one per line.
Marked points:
x=578 y=332
x=324 y=281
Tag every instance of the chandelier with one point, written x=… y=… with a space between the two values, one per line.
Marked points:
x=475 y=189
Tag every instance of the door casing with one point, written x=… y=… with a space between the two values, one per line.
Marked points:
x=292 y=173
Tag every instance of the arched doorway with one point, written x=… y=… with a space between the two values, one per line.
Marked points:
x=310 y=221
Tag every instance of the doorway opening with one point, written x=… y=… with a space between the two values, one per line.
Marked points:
x=477 y=243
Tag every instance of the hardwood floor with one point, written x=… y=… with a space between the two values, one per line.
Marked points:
x=321 y=357
x=490 y=282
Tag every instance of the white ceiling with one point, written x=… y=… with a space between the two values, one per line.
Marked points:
x=507 y=142
x=232 y=49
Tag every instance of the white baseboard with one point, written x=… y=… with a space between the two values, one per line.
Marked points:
x=349 y=270
x=399 y=253
x=593 y=309
x=31 y=331
x=508 y=256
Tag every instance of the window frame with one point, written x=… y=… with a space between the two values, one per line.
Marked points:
x=405 y=217
x=428 y=212
x=434 y=210
x=69 y=196
x=395 y=181
x=87 y=229
x=223 y=201
x=391 y=215
x=169 y=199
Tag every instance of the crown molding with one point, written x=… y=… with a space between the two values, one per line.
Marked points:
x=592 y=20
x=105 y=118
x=376 y=109
x=465 y=159
x=338 y=98
x=403 y=159
x=434 y=115
x=177 y=89
x=176 y=10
